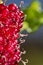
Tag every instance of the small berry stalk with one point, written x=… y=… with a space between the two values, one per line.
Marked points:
x=11 y=18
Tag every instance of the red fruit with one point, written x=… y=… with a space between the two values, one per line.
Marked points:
x=2 y=6
x=5 y=13
x=11 y=19
x=11 y=14
x=13 y=7
x=1 y=48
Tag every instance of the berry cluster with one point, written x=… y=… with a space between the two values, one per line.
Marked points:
x=11 y=18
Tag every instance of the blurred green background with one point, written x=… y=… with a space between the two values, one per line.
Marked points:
x=34 y=16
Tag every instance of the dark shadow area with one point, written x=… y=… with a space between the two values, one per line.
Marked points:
x=34 y=47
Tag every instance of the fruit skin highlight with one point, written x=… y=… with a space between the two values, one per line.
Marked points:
x=11 y=18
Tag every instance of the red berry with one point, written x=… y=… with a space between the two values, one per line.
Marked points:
x=2 y=6
x=5 y=13
x=13 y=7
x=11 y=19
x=11 y=14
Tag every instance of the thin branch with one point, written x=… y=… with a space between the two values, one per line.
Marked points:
x=23 y=52
x=22 y=41
x=5 y=2
x=23 y=35
x=24 y=62
x=21 y=3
